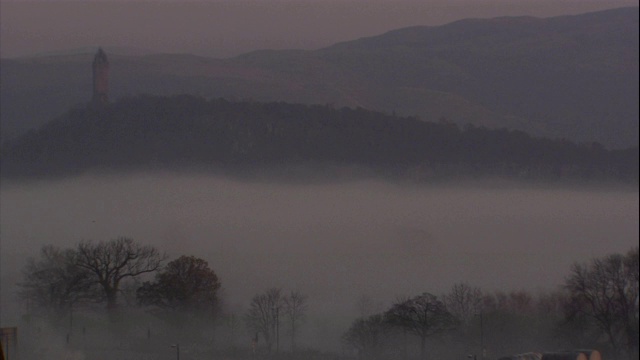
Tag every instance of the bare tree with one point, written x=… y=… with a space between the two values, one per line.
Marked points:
x=112 y=261
x=422 y=316
x=263 y=315
x=630 y=309
x=295 y=307
x=366 y=335
x=606 y=291
x=53 y=282
x=463 y=301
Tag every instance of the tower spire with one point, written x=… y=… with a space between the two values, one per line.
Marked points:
x=100 y=77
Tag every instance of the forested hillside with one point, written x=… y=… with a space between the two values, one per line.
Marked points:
x=573 y=77
x=219 y=135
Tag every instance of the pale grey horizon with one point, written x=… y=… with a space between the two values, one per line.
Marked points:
x=225 y=29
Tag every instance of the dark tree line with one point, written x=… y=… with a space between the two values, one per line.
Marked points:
x=148 y=131
x=185 y=293
x=597 y=308
x=60 y=279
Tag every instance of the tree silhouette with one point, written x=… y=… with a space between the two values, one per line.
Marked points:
x=263 y=315
x=295 y=307
x=423 y=316
x=109 y=262
x=606 y=291
x=185 y=284
x=367 y=335
x=54 y=282
x=463 y=301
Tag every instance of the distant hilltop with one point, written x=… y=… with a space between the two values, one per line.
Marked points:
x=186 y=132
x=572 y=77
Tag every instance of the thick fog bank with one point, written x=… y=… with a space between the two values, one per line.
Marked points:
x=334 y=242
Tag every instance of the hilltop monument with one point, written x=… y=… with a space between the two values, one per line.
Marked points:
x=100 y=78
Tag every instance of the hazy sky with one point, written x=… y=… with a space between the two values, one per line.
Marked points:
x=227 y=28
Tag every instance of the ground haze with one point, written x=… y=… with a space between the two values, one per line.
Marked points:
x=332 y=241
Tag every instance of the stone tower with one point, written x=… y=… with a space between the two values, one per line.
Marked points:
x=100 y=78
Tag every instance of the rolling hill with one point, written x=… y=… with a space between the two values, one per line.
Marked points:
x=187 y=132
x=573 y=77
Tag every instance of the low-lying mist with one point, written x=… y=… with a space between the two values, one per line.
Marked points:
x=332 y=241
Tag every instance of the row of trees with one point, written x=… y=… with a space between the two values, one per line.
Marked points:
x=422 y=316
x=184 y=291
x=596 y=307
x=60 y=279
x=268 y=309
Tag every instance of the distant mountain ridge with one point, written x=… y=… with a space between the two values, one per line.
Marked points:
x=573 y=77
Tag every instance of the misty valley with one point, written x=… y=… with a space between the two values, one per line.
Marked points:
x=353 y=248
x=461 y=191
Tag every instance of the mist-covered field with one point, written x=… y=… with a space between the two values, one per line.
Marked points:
x=332 y=241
